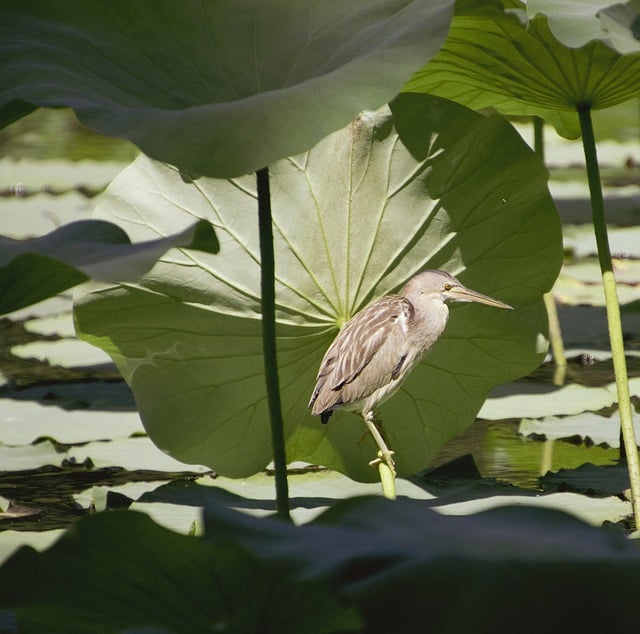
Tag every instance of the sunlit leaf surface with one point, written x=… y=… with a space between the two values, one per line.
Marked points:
x=354 y=218
x=492 y=59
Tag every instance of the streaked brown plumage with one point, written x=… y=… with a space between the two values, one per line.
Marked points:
x=380 y=345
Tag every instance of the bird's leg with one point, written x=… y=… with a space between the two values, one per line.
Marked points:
x=385 y=454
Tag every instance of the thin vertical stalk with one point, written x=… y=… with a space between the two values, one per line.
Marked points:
x=613 y=308
x=538 y=137
x=555 y=337
x=268 y=290
x=555 y=334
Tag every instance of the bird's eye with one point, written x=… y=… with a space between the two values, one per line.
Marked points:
x=448 y=287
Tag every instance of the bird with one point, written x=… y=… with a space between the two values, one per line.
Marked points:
x=377 y=348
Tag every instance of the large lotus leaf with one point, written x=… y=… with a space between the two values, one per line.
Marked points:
x=354 y=218
x=119 y=572
x=403 y=563
x=491 y=59
x=33 y=269
x=218 y=88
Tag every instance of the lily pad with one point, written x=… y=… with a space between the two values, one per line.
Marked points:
x=517 y=400
x=133 y=453
x=587 y=425
x=29 y=456
x=28 y=176
x=69 y=353
x=625 y=243
x=310 y=493
x=23 y=422
x=595 y=512
x=25 y=218
x=354 y=218
x=39 y=540
x=609 y=480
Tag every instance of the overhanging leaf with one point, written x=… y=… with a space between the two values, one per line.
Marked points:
x=216 y=88
x=458 y=574
x=493 y=60
x=31 y=270
x=354 y=218
x=119 y=570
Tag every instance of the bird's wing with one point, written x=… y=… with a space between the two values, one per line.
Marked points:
x=367 y=353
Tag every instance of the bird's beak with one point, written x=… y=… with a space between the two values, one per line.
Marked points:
x=464 y=294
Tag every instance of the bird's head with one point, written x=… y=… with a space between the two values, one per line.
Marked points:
x=439 y=285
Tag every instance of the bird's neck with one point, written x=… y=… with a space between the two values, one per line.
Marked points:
x=430 y=320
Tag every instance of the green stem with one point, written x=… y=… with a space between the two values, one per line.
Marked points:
x=555 y=334
x=613 y=308
x=268 y=290
x=538 y=137
x=388 y=481
x=555 y=337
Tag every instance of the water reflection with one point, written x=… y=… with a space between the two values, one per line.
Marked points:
x=501 y=452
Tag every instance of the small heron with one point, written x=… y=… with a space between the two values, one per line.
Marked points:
x=378 y=347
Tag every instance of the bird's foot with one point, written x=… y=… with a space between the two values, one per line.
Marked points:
x=385 y=457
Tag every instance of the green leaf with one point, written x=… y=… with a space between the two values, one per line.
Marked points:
x=214 y=88
x=589 y=479
x=31 y=270
x=401 y=562
x=354 y=218
x=119 y=570
x=496 y=61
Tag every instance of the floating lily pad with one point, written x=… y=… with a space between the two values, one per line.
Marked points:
x=112 y=396
x=22 y=422
x=535 y=400
x=624 y=243
x=589 y=479
x=69 y=353
x=24 y=218
x=39 y=540
x=29 y=456
x=130 y=453
x=27 y=176
x=590 y=510
x=587 y=426
x=311 y=492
